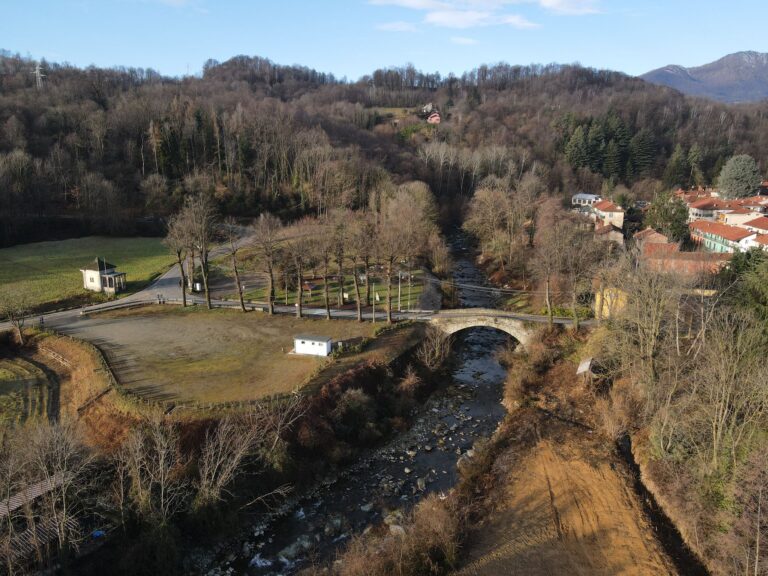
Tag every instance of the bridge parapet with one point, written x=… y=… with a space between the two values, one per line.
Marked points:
x=452 y=321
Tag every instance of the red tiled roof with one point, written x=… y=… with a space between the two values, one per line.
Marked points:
x=607 y=206
x=659 y=248
x=762 y=239
x=752 y=201
x=643 y=233
x=726 y=231
x=707 y=204
x=760 y=223
x=694 y=256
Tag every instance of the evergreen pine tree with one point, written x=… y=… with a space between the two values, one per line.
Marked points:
x=695 y=157
x=677 y=172
x=576 y=149
x=612 y=164
x=642 y=151
x=740 y=177
x=595 y=146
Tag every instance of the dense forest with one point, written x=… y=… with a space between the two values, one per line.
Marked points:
x=107 y=150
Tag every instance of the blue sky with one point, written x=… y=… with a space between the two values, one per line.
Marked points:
x=354 y=37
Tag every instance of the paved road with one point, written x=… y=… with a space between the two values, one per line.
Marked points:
x=167 y=287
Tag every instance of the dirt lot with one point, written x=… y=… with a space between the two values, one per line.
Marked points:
x=209 y=356
x=563 y=502
x=559 y=514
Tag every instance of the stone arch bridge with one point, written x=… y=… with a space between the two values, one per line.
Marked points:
x=520 y=326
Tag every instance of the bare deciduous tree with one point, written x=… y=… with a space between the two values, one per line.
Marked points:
x=156 y=470
x=57 y=455
x=14 y=308
x=200 y=217
x=435 y=348
x=232 y=232
x=300 y=248
x=178 y=241
x=266 y=236
x=221 y=456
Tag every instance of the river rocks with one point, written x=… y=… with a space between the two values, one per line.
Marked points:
x=246 y=550
x=407 y=470
x=259 y=562
x=333 y=526
x=302 y=544
x=366 y=507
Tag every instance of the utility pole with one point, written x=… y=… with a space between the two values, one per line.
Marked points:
x=399 y=290
x=410 y=284
x=373 y=302
x=39 y=76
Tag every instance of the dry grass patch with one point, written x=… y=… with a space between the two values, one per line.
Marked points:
x=194 y=355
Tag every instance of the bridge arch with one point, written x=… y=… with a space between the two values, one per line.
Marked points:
x=454 y=321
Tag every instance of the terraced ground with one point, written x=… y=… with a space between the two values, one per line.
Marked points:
x=25 y=391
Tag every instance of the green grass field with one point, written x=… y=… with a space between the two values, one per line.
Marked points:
x=48 y=272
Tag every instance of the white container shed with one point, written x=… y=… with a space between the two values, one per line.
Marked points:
x=312 y=345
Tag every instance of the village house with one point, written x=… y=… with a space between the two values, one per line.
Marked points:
x=705 y=209
x=737 y=216
x=760 y=241
x=101 y=276
x=722 y=238
x=608 y=213
x=757 y=225
x=649 y=241
x=609 y=232
x=707 y=205
x=584 y=199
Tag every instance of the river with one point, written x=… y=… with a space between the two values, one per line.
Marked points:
x=399 y=473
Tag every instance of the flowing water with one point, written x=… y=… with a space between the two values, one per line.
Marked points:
x=398 y=474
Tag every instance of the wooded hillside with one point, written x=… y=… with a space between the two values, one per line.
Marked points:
x=100 y=150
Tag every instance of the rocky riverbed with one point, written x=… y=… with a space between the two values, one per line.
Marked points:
x=393 y=477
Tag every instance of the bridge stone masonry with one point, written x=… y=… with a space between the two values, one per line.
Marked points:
x=519 y=326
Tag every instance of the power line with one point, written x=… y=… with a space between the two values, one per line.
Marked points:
x=489 y=289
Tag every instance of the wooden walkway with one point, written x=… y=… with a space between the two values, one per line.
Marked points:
x=29 y=494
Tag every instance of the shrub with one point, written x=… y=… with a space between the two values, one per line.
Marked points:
x=427 y=542
x=354 y=411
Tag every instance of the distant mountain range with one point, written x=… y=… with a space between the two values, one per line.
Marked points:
x=739 y=77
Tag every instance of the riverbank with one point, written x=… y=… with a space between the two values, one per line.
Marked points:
x=547 y=494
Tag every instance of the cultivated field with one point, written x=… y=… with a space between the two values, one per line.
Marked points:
x=48 y=272
x=173 y=354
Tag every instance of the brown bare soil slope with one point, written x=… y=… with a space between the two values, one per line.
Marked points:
x=559 y=514
x=562 y=502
